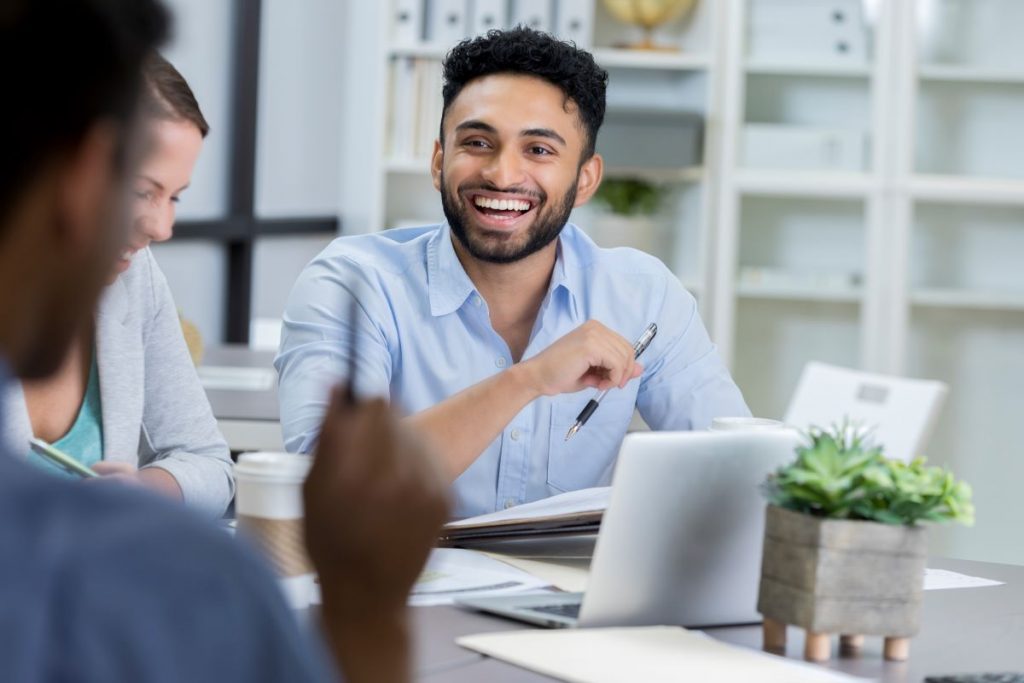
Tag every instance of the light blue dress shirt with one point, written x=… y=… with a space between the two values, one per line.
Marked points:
x=400 y=307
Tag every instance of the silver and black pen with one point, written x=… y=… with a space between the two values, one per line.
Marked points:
x=592 y=404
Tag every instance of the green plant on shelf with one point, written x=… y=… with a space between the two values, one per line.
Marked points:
x=840 y=474
x=629 y=196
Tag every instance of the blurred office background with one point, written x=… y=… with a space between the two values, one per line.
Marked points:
x=834 y=180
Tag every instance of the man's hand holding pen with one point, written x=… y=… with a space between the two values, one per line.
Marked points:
x=590 y=356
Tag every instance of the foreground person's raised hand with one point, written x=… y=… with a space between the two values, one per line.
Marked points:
x=375 y=501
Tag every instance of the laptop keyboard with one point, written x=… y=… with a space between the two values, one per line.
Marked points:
x=570 y=610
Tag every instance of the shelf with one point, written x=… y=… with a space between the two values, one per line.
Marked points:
x=846 y=295
x=969 y=74
x=964 y=190
x=617 y=58
x=825 y=69
x=424 y=51
x=619 y=112
x=834 y=184
x=968 y=299
x=408 y=166
x=609 y=58
x=692 y=174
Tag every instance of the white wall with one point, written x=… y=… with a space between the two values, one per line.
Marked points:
x=362 y=126
x=299 y=129
x=300 y=97
x=201 y=50
x=277 y=262
x=197 y=275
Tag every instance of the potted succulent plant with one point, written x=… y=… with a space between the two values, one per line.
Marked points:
x=629 y=218
x=844 y=545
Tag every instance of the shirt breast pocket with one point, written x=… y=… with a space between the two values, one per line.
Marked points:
x=588 y=458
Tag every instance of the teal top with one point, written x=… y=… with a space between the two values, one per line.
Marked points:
x=84 y=441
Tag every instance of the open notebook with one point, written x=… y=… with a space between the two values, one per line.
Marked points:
x=576 y=512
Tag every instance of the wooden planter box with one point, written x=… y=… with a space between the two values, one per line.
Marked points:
x=853 y=578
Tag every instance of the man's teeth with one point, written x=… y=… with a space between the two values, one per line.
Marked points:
x=501 y=204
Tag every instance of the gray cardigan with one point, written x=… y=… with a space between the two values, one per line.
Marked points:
x=155 y=412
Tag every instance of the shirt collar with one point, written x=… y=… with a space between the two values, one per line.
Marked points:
x=449 y=286
x=447 y=282
x=568 y=273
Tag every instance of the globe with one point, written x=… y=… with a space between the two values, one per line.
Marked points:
x=648 y=14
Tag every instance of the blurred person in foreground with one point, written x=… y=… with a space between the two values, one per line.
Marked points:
x=101 y=582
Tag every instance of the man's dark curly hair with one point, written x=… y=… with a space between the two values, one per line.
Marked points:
x=522 y=50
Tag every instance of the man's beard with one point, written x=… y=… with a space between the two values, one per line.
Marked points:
x=546 y=226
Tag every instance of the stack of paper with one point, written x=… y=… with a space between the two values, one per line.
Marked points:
x=569 y=513
x=653 y=655
x=452 y=573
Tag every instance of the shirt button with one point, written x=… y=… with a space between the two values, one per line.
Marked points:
x=477 y=301
x=515 y=434
x=500 y=361
x=509 y=503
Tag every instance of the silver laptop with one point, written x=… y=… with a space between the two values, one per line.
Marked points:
x=680 y=543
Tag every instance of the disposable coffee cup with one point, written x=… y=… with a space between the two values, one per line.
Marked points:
x=745 y=424
x=269 y=510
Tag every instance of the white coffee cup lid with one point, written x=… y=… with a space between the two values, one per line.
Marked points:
x=740 y=424
x=284 y=467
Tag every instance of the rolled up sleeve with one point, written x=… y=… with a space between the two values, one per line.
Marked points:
x=330 y=324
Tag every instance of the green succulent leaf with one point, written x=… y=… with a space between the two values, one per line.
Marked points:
x=838 y=473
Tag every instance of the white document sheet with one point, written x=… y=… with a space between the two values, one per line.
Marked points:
x=568 y=574
x=651 y=654
x=571 y=503
x=943 y=579
x=453 y=573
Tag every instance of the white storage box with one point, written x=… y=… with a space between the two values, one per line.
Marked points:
x=807 y=30
x=803 y=148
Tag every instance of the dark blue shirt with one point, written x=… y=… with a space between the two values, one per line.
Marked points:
x=99 y=582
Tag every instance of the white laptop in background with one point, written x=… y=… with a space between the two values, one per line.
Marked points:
x=680 y=542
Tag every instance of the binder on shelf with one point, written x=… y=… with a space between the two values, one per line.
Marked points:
x=403 y=82
x=533 y=13
x=428 y=109
x=407 y=22
x=574 y=21
x=446 y=22
x=487 y=15
x=576 y=512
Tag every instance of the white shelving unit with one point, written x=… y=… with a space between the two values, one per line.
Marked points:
x=662 y=105
x=958 y=222
x=967 y=74
x=787 y=213
x=790 y=68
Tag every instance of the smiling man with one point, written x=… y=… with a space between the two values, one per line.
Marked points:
x=494 y=329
